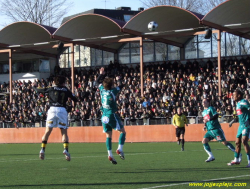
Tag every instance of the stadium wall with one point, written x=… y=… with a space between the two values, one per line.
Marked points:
x=143 y=133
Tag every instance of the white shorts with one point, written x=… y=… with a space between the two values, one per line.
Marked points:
x=57 y=117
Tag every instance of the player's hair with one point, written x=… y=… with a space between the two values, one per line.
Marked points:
x=239 y=92
x=59 y=80
x=107 y=83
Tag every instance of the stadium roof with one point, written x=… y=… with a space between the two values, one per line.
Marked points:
x=175 y=25
x=92 y=30
x=26 y=37
x=232 y=16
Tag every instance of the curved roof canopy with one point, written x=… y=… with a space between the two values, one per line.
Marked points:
x=232 y=16
x=175 y=25
x=20 y=33
x=26 y=37
x=91 y=29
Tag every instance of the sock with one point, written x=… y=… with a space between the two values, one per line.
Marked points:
x=230 y=146
x=182 y=142
x=120 y=147
x=43 y=145
x=248 y=157
x=109 y=143
x=236 y=155
x=66 y=146
x=110 y=153
x=122 y=138
x=208 y=150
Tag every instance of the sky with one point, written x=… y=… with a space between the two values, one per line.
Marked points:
x=85 y=5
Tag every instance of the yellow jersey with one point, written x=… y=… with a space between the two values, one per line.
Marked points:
x=179 y=120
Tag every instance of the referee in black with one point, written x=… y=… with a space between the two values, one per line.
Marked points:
x=179 y=122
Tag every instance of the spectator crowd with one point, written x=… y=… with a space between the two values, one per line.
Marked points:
x=167 y=85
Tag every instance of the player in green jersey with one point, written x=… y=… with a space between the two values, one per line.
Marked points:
x=110 y=119
x=243 y=133
x=214 y=130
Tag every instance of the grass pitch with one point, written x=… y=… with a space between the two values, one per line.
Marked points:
x=147 y=165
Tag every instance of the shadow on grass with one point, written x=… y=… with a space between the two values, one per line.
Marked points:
x=93 y=184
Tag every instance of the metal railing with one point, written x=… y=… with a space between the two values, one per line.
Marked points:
x=126 y=121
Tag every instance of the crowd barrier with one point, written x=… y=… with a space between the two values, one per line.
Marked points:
x=138 y=133
x=126 y=121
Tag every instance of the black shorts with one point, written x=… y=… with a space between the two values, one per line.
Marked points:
x=179 y=131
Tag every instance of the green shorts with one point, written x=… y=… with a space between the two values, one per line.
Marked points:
x=217 y=134
x=243 y=131
x=111 y=121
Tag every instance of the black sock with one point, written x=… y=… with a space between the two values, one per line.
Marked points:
x=182 y=142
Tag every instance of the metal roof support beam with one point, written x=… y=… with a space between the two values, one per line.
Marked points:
x=166 y=41
x=72 y=67
x=10 y=74
x=141 y=65
x=38 y=53
x=219 y=61
x=155 y=38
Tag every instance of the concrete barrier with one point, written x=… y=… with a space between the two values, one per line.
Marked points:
x=140 y=133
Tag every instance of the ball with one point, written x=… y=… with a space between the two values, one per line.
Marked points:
x=152 y=26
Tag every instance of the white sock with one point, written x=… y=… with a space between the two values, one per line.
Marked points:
x=210 y=154
x=120 y=147
x=110 y=153
x=236 y=159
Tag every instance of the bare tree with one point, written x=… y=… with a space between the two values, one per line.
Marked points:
x=192 y=5
x=47 y=12
x=199 y=6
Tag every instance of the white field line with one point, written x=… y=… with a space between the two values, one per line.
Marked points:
x=216 y=179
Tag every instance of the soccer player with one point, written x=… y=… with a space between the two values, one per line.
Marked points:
x=214 y=131
x=179 y=122
x=110 y=119
x=57 y=114
x=243 y=133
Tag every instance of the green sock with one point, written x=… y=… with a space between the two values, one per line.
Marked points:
x=122 y=138
x=237 y=155
x=230 y=146
x=109 y=143
x=207 y=147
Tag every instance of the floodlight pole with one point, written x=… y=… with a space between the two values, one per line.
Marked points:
x=141 y=64
x=10 y=73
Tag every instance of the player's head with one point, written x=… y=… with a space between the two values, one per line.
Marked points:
x=205 y=103
x=237 y=95
x=107 y=83
x=59 y=80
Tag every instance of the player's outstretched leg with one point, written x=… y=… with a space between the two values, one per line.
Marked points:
x=119 y=150
x=230 y=146
x=42 y=151
x=182 y=144
x=66 y=151
x=210 y=154
x=109 y=148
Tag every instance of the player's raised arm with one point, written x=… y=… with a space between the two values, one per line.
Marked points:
x=39 y=89
x=100 y=77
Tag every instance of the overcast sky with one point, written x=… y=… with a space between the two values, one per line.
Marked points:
x=84 y=5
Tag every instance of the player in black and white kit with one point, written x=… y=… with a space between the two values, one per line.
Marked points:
x=57 y=113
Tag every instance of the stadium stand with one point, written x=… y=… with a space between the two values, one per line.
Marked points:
x=166 y=86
